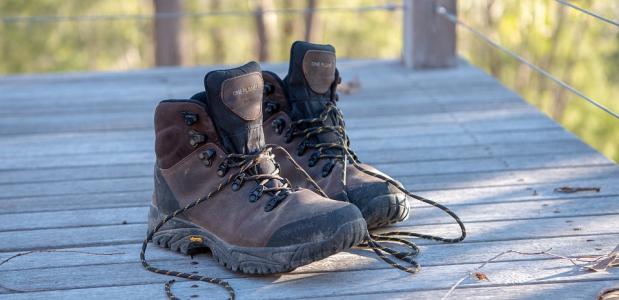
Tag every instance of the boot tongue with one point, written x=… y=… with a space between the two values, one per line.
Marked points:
x=234 y=102
x=309 y=80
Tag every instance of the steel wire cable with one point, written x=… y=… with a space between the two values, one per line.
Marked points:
x=588 y=12
x=452 y=18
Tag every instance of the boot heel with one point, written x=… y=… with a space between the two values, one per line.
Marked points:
x=177 y=234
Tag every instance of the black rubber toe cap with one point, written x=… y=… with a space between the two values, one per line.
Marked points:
x=381 y=203
x=362 y=195
x=316 y=228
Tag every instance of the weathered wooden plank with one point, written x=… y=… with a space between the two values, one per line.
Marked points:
x=72 y=202
x=362 y=126
x=478 y=232
x=144 y=91
x=72 y=184
x=125 y=120
x=102 y=195
x=142 y=117
x=125 y=182
x=378 y=68
x=389 y=129
x=371 y=157
x=527 y=192
x=83 y=187
x=489 y=210
x=431 y=255
x=131 y=142
x=132 y=164
x=144 y=100
x=188 y=81
x=184 y=290
x=309 y=284
x=512 y=177
x=562 y=290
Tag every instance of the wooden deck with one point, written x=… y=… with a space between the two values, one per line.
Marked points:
x=76 y=155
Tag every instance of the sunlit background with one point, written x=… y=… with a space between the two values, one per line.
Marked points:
x=39 y=36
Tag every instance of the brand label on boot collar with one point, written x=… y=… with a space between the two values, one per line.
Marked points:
x=243 y=95
x=321 y=64
x=244 y=90
x=319 y=70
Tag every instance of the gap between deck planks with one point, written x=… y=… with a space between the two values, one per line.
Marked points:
x=595 y=205
x=374 y=157
x=314 y=284
x=563 y=290
x=475 y=146
x=478 y=232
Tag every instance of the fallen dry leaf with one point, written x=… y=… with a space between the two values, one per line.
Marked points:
x=569 y=189
x=481 y=276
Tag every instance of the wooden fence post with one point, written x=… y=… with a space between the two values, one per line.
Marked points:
x=167 y=33
x=429 y=38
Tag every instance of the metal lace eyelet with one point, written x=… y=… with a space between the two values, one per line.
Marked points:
x=189 y=118
x=275 y=200
x=256 y=193
x=301 y=148
x=196 y=138
x=313 y=159
x=270 y=107
x=288 y=135
x=222 y=169
x=238 y=182
x=207 y=157
x=327 y=168
x=268 y=89
x=278 y=125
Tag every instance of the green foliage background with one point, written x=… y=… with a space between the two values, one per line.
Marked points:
x=577 y=48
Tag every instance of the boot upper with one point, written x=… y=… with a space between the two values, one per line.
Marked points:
x=305 y=93
x=194 y=141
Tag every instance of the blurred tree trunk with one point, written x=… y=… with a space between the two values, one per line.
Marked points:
x=265 y=23
x=561 y=95
x=310 y=19
x=167 y=33
x=495 y=61
x=219 y=55
x=287 y=30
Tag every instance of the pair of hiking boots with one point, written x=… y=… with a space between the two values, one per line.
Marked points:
x=259 y=170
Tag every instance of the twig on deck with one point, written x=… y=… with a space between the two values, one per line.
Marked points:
x=569 y=189
x=54 y=250
x=46 y=251
x=476 y=270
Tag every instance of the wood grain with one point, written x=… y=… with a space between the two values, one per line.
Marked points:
x=76 y=155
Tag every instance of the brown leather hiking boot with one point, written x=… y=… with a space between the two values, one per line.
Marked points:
x=301 y=115
x=220 y=187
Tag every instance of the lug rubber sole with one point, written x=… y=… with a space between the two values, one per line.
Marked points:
x=183 y=236
x=385 y=210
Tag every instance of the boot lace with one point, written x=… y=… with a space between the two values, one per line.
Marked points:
x=309 y=128
x=248 y=170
